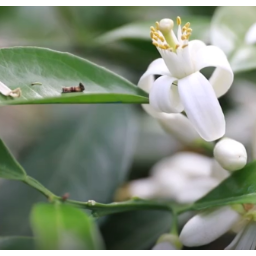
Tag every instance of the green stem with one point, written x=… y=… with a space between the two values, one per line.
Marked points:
x=99 y=209
x=39 y=187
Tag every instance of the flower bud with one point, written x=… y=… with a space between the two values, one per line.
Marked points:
x=230 y=154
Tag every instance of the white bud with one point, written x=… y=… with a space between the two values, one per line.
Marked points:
x=230 y=154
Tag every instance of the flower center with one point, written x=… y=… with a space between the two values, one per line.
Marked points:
x=163 y=37
x=247 y=210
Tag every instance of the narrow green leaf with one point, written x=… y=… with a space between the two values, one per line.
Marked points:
x=63 y=227
x=16 y=243
x=23 y=66
x=238 y=188
x=9 y=167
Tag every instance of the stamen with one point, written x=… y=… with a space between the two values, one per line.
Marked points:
x=177 y=46
x=187 y=25
x=166 y=46
x=248 y=207
x=178 y=20
x=170 y=49
x=155 y=38
x=151 y=34
x=157 y=25
x=161 y=38
x=184 y=29
x=152 y=29
x=155 y=44
x=189 y=30
x=185 y=45
x=183 y=37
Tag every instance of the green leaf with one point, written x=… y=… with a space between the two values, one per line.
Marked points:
x=63 y=227
x=22 y=66
x=9 y=167
x=16 y=243
x=77 y=149
x=141 y=30
x=228 y=33
x=237 y=189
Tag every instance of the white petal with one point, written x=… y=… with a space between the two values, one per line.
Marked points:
x=245 y=239
x=230 y=154
x=202 y=106
x=157 y=67
x=163 y=96
x=144 y=188
x=208 y=226
x=250 y=37
x=179 y=126
x=218 y=172
x=188 y=164
x=222 y=77
x=196 y=45
x=195 y=189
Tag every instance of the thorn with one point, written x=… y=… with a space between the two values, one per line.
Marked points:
x=65 y=197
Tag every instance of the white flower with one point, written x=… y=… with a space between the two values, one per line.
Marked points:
x=181 y=85
x=230 y=154
x=211 y=224
x=184 y=177
x=250 y=37
x=5 y=90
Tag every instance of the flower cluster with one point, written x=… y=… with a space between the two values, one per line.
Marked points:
x=187 y=176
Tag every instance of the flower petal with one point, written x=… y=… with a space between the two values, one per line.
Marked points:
x=157 y=67
x=245 y=239
x=250 y=37
x=163 y=95
x=202 y=106
x=179 y=126
x=222 y=77
x=208 y=226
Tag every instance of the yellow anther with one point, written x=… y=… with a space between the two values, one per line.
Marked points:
x=185 y=45
x=152 y=29
x=177 y=46
x=170 y=49
x=166 y=46
x=187 y=25
x=161 y=38
x=157 y=25
x=155 y=44
x=183 y=37
x=184 y=29
x=151 y=34
x=155 y=38
x=178 y=20
x=189 y=30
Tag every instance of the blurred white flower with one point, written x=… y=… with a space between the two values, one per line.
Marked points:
x=181 y=85
x=184 y=177
x=250 y=37
x=230 y=154
x=243 y=95
x=211 y=224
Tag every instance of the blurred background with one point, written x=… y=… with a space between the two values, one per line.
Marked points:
x=90 y=151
